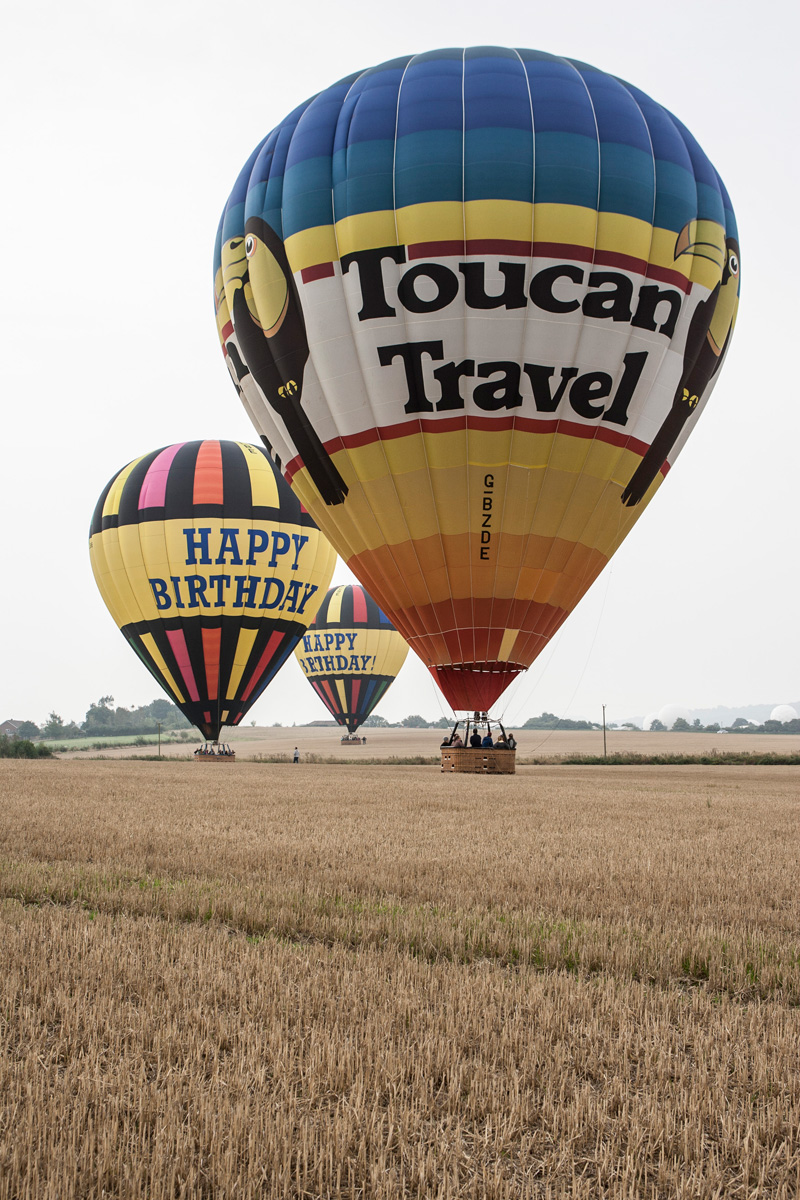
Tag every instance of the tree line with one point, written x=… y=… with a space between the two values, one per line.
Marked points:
x=740 y=725
x=105 y=720
x=415 y=721
x=548 y=720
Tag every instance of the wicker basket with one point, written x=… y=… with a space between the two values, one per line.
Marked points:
x=479 y=761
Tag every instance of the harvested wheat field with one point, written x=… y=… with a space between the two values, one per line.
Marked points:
x=375 y=982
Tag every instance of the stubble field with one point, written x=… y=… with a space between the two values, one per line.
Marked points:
x=251 y=980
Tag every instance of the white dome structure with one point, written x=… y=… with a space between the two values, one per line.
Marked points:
x=783 y=713
x=670 y=713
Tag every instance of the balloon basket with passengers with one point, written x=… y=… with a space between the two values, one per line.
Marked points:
x=214 y=752
x=478 y=750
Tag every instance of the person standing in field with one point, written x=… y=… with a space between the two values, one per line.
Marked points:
x=296 y=755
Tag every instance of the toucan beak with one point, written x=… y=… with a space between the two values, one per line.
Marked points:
x=704 y=239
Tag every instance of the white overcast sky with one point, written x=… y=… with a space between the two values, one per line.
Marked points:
x=125 y=127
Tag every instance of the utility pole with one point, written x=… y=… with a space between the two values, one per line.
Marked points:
x=159 y=738
x=604 y=732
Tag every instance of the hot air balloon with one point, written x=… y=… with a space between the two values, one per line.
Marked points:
x=212 y=570
x=474 y=302
x=351 y=654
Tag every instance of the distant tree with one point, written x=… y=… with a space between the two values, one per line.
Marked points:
x=27 y=729
x=53 y=726
x=101 y=717
x=738 y=723
x=162 y=710
x=630 y=725
x=104 y=720
x=442 y=723
x=696 y=724
x=374 y=721
x=712 y=728
x=415 y=721
x=681 y=725
x=657 y=726
x=549 y=720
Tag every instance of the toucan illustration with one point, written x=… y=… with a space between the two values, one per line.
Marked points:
x=271 y=332
x=706 y=341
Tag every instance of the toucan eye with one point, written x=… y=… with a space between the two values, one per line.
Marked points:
x=250 y=244
x=733 y=264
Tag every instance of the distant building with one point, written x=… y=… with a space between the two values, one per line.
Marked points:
x=9 y=728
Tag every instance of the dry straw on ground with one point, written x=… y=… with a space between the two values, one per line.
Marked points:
x=273 y=981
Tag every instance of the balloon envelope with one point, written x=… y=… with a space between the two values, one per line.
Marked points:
x=474 y=302
x=212 y=570
x=351 y=654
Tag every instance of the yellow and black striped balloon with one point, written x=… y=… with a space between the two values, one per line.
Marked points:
x=212 y=569
x=351 y=654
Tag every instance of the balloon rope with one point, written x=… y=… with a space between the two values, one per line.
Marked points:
x=550 y=732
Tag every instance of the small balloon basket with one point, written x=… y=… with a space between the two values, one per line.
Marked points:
x=353 y=739
x=214 y=752
x=477 y=751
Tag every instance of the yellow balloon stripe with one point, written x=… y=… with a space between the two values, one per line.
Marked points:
x=479 y=220
x=507 y=645
x=262 y=478
x=334 y=614
x=111 y=505
x=149 y=642
x=244 y=647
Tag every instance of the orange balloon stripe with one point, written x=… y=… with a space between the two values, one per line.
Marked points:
x=212 y=639
x=208 y=474
x=317 y=686
x=557 y=567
